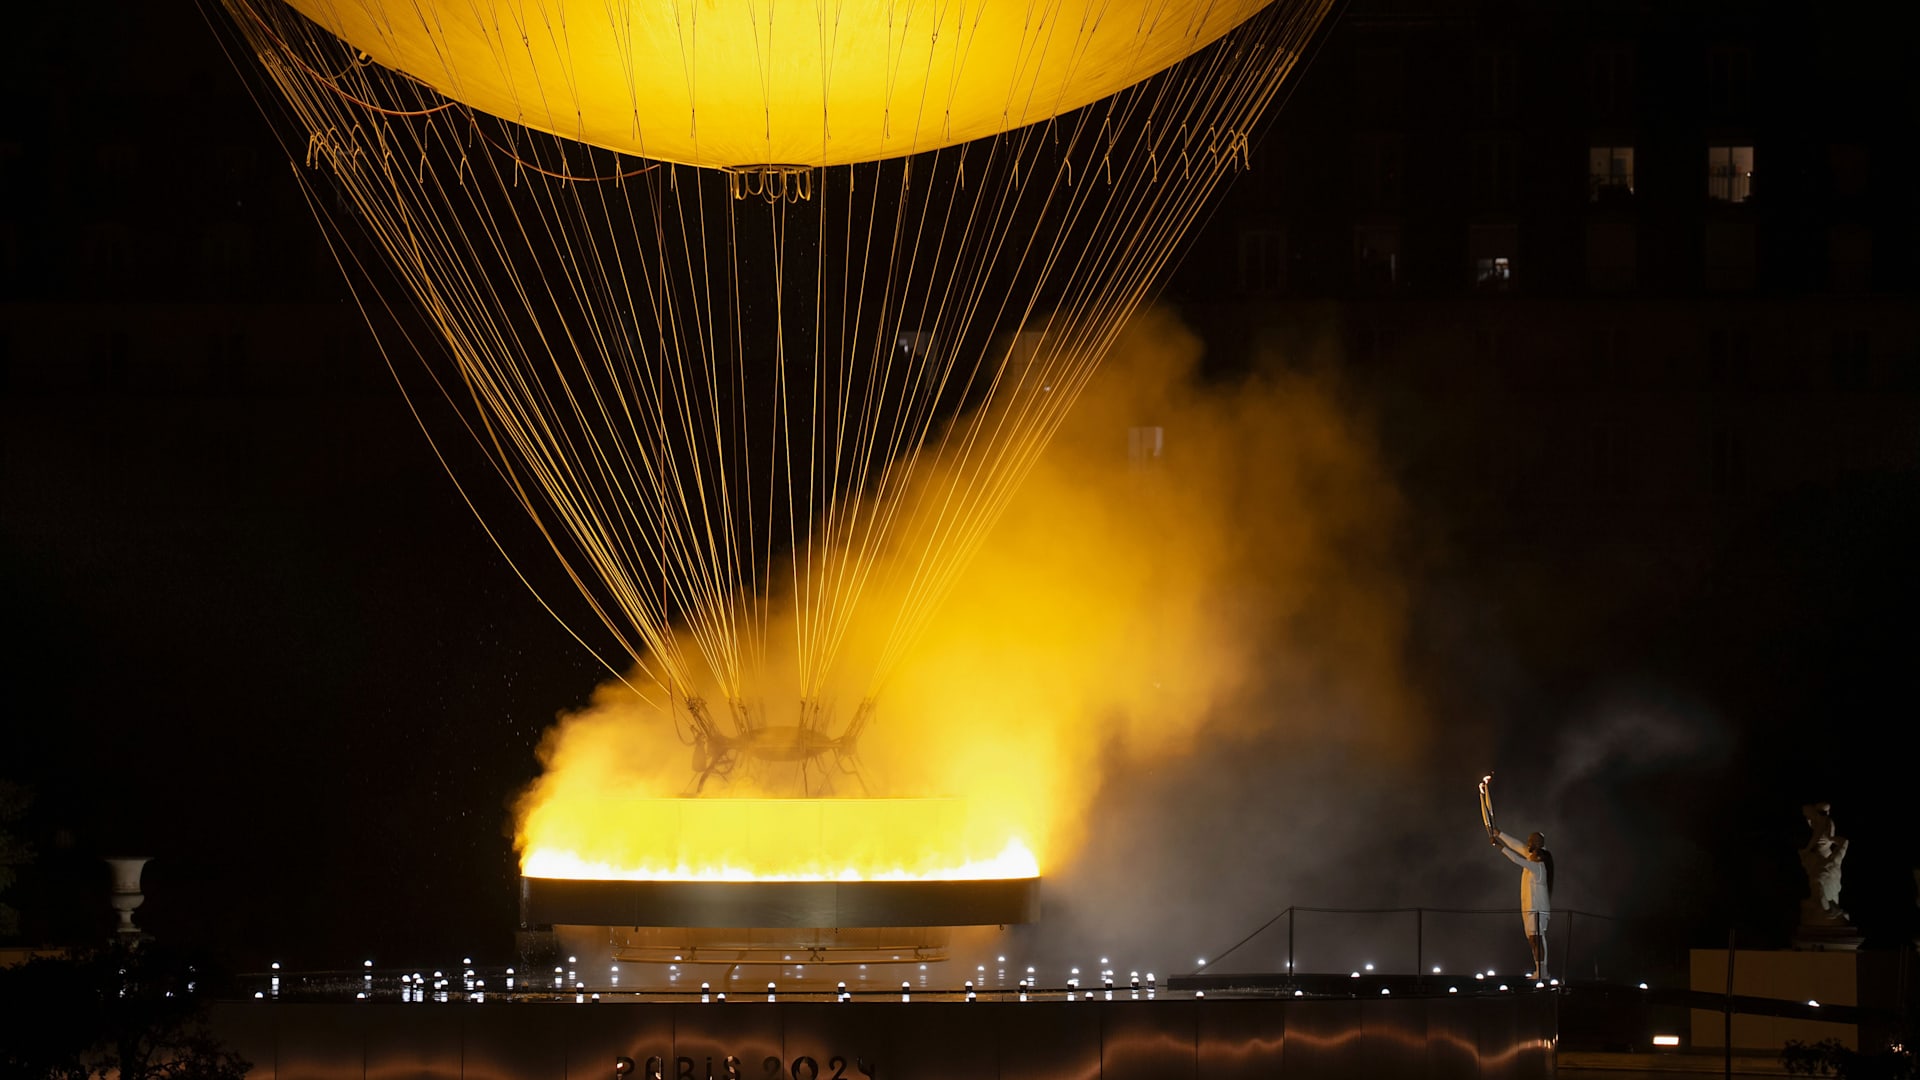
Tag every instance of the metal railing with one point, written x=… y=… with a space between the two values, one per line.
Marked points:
x=1427 y=941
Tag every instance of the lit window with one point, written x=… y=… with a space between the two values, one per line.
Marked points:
x=914 y=343
x=1609 y=172
x=1729 y=173
x=1492 y=249
x=1145 y=444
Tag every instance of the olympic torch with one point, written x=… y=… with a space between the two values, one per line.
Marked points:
x=1486 y=805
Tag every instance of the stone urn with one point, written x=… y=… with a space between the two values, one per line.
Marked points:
x=126 y=891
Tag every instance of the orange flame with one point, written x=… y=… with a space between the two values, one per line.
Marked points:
x=736 y=839
x=1242 y=590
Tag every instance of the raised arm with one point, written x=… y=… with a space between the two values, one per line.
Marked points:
x=1517 y=845
x=1516 y=859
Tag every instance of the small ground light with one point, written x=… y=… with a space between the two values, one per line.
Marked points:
x=257 y=995
x=1482 y=976
x=1384 y=991
x=276 y=965
x=1812 y=1003
x=1299 y=993
x=1453 y=989
x=1503 y=986
x=1369 y=967
x=1643 y=986
x=1004 y=960
x=1666 y=1040
x=1436 y=969
x=1199 y=993
x=1355 y=975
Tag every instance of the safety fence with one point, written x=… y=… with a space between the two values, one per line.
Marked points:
x=1430 y=941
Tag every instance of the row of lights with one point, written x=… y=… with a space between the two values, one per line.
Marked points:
x=415 y=984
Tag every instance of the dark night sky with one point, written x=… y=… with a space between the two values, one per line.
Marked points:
x=254 y=631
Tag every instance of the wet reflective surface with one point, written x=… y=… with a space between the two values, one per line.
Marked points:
x=933 y=1036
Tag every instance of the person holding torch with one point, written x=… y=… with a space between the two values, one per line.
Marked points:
x=1536 y=878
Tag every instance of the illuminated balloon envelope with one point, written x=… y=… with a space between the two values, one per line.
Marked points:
x=811 y=82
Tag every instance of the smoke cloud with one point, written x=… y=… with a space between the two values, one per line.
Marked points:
x=1176 y=668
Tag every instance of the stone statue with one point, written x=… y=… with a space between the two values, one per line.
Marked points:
x=1821 y=859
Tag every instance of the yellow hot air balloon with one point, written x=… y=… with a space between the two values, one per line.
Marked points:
x=759 y=312
x=759 y=82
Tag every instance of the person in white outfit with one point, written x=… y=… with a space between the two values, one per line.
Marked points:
x=1536 y=890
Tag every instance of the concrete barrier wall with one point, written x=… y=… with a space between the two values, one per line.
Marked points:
x=1503 y=1038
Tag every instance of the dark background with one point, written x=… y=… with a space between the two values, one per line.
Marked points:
x=1662 y=505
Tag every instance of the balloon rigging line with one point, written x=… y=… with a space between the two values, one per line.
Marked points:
x=603 y=351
